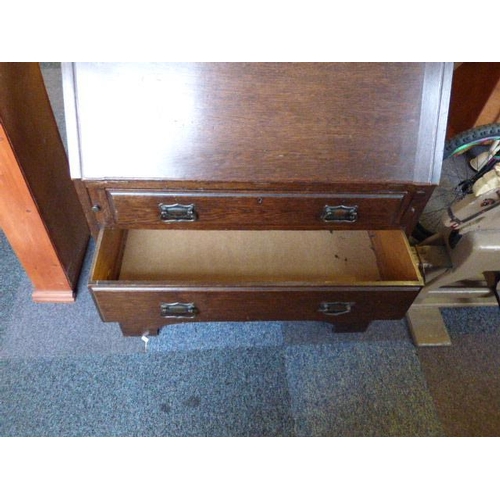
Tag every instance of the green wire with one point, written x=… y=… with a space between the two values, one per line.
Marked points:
x=469 y=145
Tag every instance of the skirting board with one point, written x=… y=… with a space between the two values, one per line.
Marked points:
x=53 y=296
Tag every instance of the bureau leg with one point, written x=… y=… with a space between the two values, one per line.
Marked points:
x=350 y=327
x=132 y=330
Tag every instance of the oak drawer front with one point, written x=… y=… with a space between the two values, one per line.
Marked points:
x=154 y=307
x=149 y=209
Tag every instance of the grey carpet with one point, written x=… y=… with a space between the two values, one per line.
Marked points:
x=65 y=373
x=53 y=330
x=360 y=384
x=9 y=281
x=464 y=379
x=233 y=392
x=360 y=389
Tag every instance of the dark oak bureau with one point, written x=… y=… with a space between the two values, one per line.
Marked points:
x=254 y=191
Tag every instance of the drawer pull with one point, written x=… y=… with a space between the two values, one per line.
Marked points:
x=335 y=308
x=340 y=213
x=178 y=213
x=178 y=310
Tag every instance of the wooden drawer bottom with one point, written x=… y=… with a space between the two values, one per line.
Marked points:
x=147 y=279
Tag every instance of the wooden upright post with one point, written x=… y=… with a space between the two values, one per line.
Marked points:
x=39 y=209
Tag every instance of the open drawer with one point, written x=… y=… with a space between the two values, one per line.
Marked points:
x=146 y=278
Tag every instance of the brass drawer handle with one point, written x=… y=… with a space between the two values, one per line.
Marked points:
x=339 y=213
x=178 y=213
x=178 y=310
x=335 y=308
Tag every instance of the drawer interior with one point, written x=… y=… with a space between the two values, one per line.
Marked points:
x=315 y=258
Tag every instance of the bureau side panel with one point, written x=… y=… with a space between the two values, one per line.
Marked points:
x=28 y=120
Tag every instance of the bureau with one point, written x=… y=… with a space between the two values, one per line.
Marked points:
x=254 y=191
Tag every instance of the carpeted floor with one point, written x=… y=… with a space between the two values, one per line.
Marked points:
x=464 y=379
x=65 y=373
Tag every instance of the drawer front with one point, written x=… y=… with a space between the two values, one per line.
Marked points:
x=155 y=307
x=149 y=209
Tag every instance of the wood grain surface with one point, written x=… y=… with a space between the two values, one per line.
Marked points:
x=39 y=212
x=247 y=283
x=258 y=122
x=141 y=308
x=255 y=146
x=259 y=210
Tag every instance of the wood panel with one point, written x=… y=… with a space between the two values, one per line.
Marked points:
x=262 y=210
x=392 y=251
x=474 y=96
x=491 y=110
x=87 y=206
x=238 y=257
x=266 y=257
x=141 y=307
x=40 y=211
x=26 y=231
x=255 y=146
x=108 y=257
x=413 y=199
x=259 y=122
